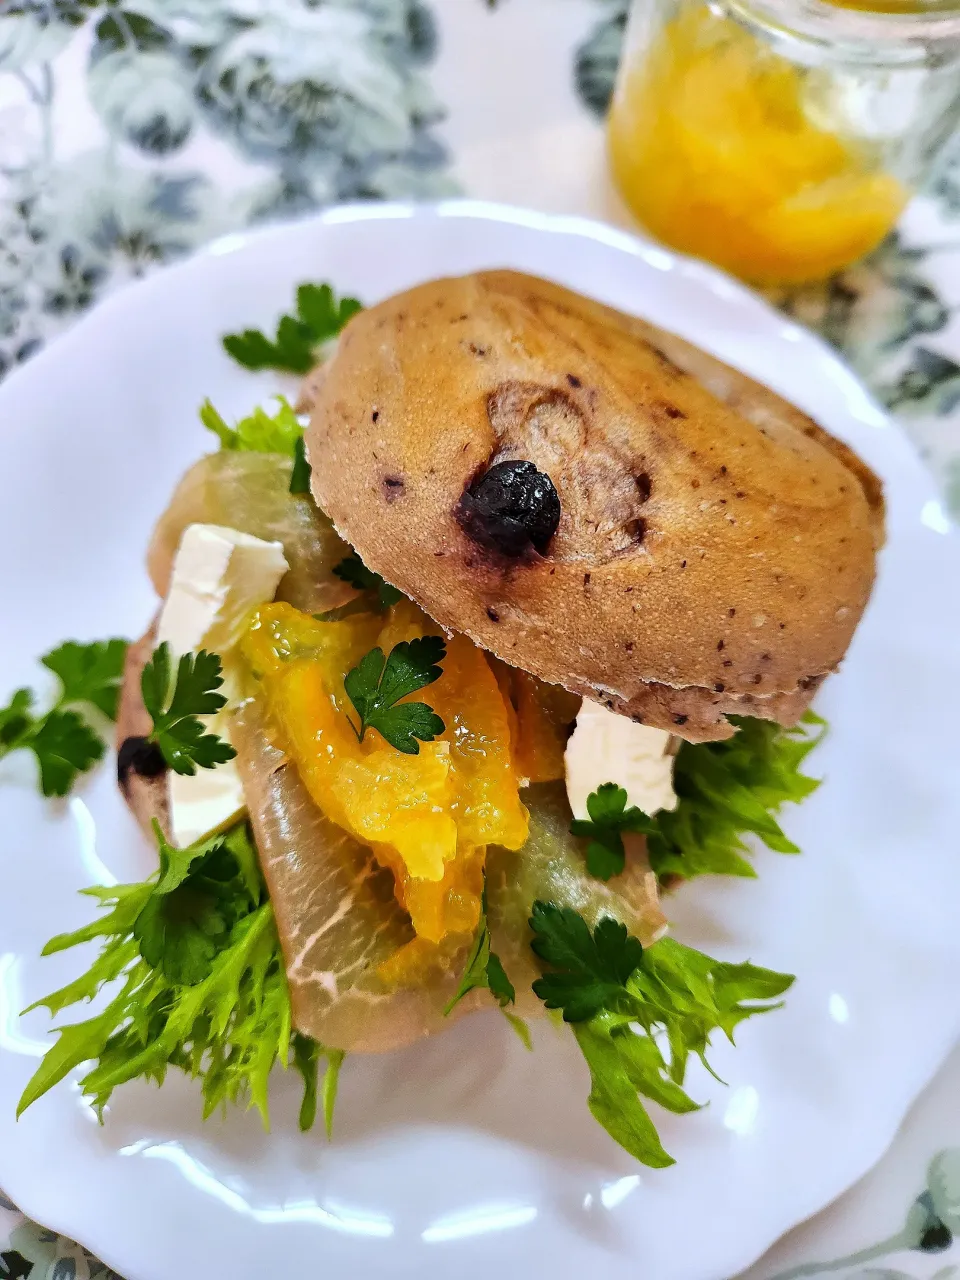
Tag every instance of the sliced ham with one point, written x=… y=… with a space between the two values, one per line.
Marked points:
x=337 y=917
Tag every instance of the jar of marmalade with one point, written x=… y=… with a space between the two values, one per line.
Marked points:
x=781 y=139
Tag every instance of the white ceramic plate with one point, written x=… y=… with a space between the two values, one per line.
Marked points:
x=466 y=1156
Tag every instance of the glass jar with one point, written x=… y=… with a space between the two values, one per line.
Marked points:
x=781 y=139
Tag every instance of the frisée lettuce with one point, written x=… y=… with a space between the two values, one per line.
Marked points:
x=638 y=1013
x=202 y=988
x=201 y=985
x=728 y=790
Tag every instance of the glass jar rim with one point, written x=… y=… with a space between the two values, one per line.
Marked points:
x=896 y=29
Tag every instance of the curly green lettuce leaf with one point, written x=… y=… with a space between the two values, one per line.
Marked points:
x=227 y=1028
x=730 y=789
x=484 y=971
x=259 y=432
x=638 y=1013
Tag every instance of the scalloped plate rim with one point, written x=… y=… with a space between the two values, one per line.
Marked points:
x=165 y=284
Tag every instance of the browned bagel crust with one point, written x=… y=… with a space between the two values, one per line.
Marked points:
x=716 y=547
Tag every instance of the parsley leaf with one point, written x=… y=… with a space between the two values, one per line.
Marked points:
x=501 y=988
x=296 y=348
x=318 y=307
x=638 y=1013
x=300 y=476
x=16 y=720
x=91 y=673
x=353 y=570
x=730 y=788
x=484 y=968
x=229 y=1029
x=306 y=1058
x=65 y=746
x=588 y=971
x=609 y=816
x=259 y=432
x=377 y=683
x=177 y=729
x=63 y=741
x=725 y=790
x=197 y=899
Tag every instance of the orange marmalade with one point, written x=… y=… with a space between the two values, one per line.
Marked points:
x=428 y=817
x=722 y=149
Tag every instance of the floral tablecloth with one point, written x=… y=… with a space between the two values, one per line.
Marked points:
x=132 y=131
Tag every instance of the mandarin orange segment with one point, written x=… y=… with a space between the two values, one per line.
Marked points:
x=451 y=906
x=375 y=792
x=504 y=678
x=427 y=817
x=411 y=965
x=421 y=961
x=486 y=804
x=545 y=713
x=278 y=633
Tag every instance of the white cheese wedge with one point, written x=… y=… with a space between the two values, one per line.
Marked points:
x=606 y=747
x=219 y=576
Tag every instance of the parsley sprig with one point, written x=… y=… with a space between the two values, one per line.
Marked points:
x=221 y=1014
x=484 y=970
x=588 y=971
x=63 y=740
x=377 y=684
x=320 y=316
x=90 y=673
x=178 y=730
x=376 y=594
x=352 y=569
x=609 y=818
x=638 y=1013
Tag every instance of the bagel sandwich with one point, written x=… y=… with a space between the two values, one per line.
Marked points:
x=455 y=676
